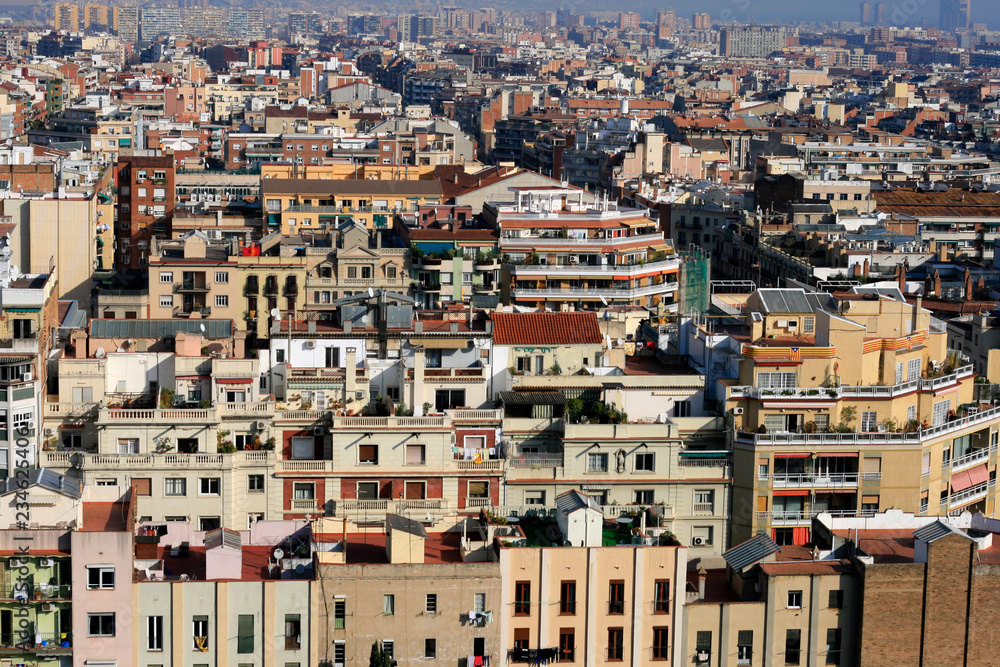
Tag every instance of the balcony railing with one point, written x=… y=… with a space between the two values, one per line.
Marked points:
x=778 y=518
x=596 y=292
x=792 y=480
x=970 y=495
x=170 y=461
x=36 y=642
x=834 y=393
x=599 y=269
x=970 y=459
x=536 y=461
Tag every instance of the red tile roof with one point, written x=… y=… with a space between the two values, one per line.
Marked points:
x=546 y=329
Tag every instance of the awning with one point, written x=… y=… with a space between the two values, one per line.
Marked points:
x=704 y=454
x=441 y=343
x=964 y=479
x=235 y=381
x=23 y=310
x=796 y=455
x=193 y=377
x=819 y=491
x=851 y=455
x=595 y=487
x=791 y=492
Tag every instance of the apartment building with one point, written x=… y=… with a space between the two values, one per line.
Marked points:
x=563 y=254
x=224 y=595
x=772 y=605
x=193 y=277
x=592 y=605
x=840 y=401
x=146 y=196
x=431 y=601
x=295 y=205
x=453 y=256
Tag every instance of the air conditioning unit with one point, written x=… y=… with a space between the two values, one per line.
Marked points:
x=319 y=430
x=698 y=541
x=793 y=324
x=46 y=562
x=261 y=426
x=28 y=377
x=574 y=259
x=48 y=607
x=50 y=431
x=737 y=411
x=310 y=345
x=359 y=395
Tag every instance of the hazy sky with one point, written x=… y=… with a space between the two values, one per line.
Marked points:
x=898 y=12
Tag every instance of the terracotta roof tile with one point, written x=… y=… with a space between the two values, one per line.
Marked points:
x=546 y=329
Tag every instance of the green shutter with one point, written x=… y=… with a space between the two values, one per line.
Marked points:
x=245 y=634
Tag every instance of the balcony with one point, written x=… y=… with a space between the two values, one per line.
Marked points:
x=517 y=243
x=191 y=286
x=836 y=393
x=38 y=642
x=814 y=480
x=374 y=510
x=474 y=415
x=597 y=270
x=972 y=458
x=970 y=495
x=594 y=292
x=246 y=410
x=141 y=462
x=168 y=417
x=187 y=311
x=451 y=375
x=70 y=410
x=780 y=518
x=270 y=289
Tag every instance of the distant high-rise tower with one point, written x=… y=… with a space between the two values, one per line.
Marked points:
x=666 y=23
x=955 y=15
x=880 y=13
x=628 y=20
x=67 y=18
x=866 y=13
x=702 y=21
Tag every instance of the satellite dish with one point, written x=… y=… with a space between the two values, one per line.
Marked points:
x=184 y=577
x=15 y=272
x=620 y=341
x=278 y=554
x=371 y=292
x=276 y=314
x=604 y=301
x=100 y=353
x=121 y=349
x=364 y=320
x=202 y=326
x=300 y=569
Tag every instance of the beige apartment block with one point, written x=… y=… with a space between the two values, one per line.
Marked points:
x=193 y=277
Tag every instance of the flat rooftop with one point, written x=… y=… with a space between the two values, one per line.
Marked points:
x=369 y=548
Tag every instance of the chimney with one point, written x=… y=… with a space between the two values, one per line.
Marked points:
x=702 y=574
x=867 y=267
x=902 y=278
x=937 y=283
x=916 y=311
x=969 y=294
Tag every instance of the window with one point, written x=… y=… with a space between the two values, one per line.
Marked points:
x=222 y=300
x=479 y=602
x=388 y=605
x=703 y=647
x=833 y=646
x=869 y=505
x=199 y=633
x=836 y=599
x=661 y=643
x=106 y=481
x=448 y=399
x=101 y=625
x=255 y=484
x=209 y=523
x=304 y=491
x=431 y=603
x=415 y=455
x=339 y=613
x=913 y=369
x=661 y=596
x=125 y=445
x=430 y=648
x=368 y=454
x=244 y=634
x=567 y=597
x=911 y=413
x=522 y=598
x=154 y=633
x=167 y=301
x=744 y=647
x=808 y=325
x=534 y=497
x=794 y=600
x=869 y=421
x=567 y=645
x=208 y=486
x=645 y=462
x=900 y=372
x=143 y=486
x=100 y=577
x=616 y=643
x=293 y=632
x=222 y=276
x=175 y=486
x=597 y=462
x=339 y=653
x=303 y=447
x=682 y=408
x=388 y=648
x=25 y=419
x=704 y=501
x=616 y=597
x=776 y=380
x=941 y=411
x=793 y=644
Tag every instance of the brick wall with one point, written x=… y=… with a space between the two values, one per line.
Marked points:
x=949 y=563
x=893 y=595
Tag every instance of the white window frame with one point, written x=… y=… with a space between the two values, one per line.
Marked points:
x=776 y=380
x=166 y=276
x=154 y=633
x=105 y=577
x=166 y=301
x=222 y=276
x=221 y=300
x=201 y=486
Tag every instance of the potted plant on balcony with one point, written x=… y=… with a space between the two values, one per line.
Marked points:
x=268 y=444
x=426 y=408
x=167 y=398
x=163 y=445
